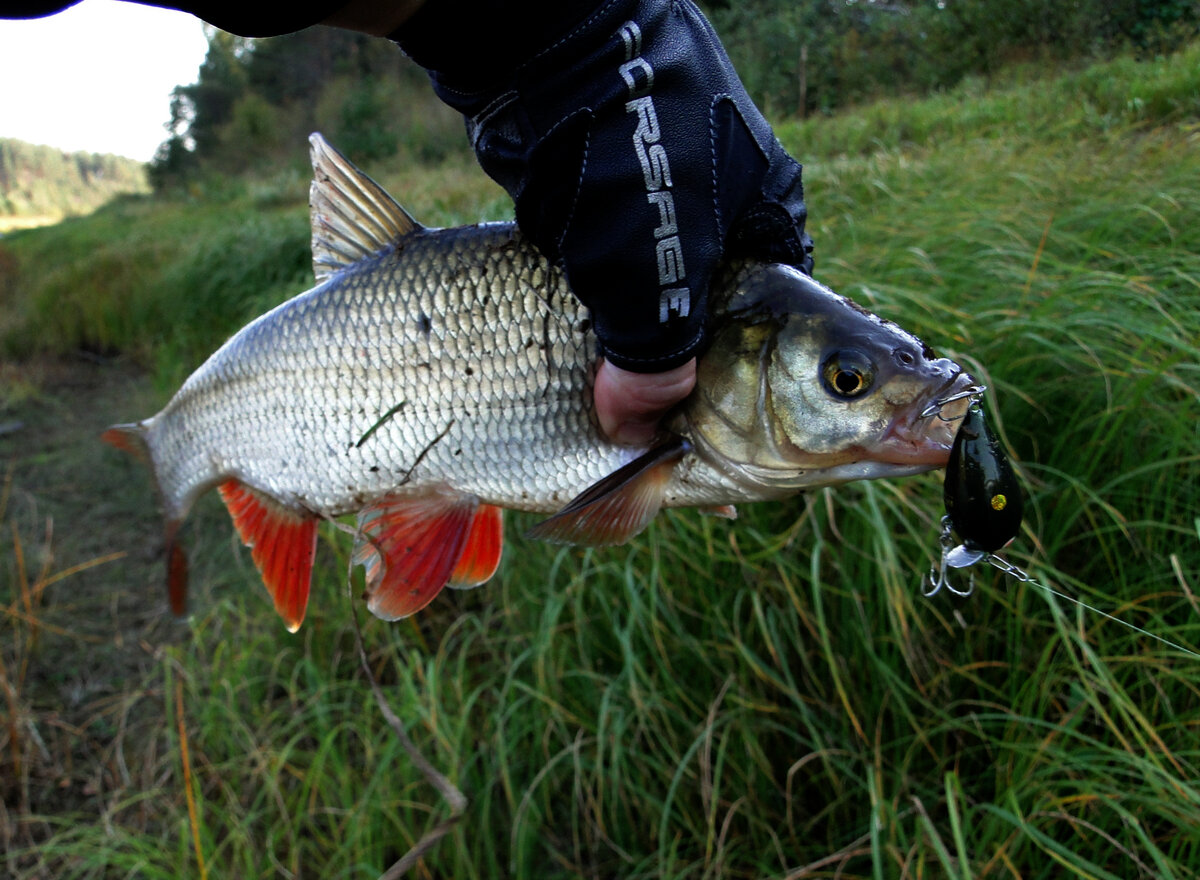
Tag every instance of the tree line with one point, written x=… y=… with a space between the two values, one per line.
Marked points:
x=255 y=100
x=815 y=56
x=40 y=181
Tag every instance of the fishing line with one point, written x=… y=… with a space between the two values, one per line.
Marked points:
x=939 y=578
x=1094 y=610
x=984 y=507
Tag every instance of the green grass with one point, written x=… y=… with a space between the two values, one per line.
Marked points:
x=771 y=697
x=1023 y=105
x=166 y=281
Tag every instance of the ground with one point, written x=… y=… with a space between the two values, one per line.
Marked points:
x=81 y=652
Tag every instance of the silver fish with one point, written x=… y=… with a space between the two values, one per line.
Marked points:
x=435 y=376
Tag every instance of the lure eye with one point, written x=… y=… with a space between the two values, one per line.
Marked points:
x=848 y=374
x=983 y=498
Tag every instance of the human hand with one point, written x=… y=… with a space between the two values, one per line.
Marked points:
x=629 y=405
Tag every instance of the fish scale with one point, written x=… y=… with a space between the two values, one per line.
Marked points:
x=475 y=398
x=433 y=377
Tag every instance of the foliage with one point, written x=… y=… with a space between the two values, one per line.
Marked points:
x=819 y=56
x=256 y=100
x=765 y=698
x=38 y=181
x=1109 y=98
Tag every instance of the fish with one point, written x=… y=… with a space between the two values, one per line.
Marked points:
x=433 y=378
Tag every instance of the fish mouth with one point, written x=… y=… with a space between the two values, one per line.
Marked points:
x=923 y=435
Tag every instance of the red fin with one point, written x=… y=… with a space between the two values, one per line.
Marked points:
x=282 y=543
x=619 y=506
x=724 y=511
x=410 y=548
x=128 y=438
x=481 y=551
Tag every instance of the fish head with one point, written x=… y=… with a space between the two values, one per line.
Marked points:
x=801 y=387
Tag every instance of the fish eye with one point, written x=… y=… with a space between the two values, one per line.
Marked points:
x=848 y=374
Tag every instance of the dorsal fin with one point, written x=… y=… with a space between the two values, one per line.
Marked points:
x=352 y=216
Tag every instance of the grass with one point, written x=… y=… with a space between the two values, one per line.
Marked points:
x=165 y=282
x=768 y=698
x=1022 y=105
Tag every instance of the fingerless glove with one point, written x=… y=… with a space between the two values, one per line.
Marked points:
x=633 y=154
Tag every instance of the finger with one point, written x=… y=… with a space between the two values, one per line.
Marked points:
x=630 y=405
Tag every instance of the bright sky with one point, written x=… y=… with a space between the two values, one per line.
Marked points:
x=97 y=77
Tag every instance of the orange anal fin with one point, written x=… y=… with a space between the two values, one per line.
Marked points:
x=617 y=507
x=481 y=551
x=283 y=545
x=724 y=511
x=410 y=548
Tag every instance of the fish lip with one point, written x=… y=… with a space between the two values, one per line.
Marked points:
x=925 y=433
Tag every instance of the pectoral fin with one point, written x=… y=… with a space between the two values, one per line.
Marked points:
x=282 y=542
x=617 y=507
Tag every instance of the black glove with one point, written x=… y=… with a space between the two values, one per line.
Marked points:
x=633 y=153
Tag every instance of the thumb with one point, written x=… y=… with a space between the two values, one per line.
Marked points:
x=629 y=405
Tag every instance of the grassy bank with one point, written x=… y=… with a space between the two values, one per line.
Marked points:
x=165 y=281
x=767 y=698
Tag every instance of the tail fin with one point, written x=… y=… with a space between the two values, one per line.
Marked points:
x=132 y=438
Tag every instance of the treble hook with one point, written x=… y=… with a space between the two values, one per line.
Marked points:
x=952 y=557
x=962 y=556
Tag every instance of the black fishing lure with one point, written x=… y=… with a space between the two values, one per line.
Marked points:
x=984 y=507
x=983 y=501
x=983 y=497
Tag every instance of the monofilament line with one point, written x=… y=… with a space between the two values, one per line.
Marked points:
x=939 y=579
x=1124 y=623
x=964 y=557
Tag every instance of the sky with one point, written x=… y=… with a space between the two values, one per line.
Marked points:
x=97 y=77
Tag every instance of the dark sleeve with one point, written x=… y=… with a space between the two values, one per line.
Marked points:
x=249 y=19
x=33 y=8
x=246 y=19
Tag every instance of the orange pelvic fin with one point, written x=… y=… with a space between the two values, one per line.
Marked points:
x=282 y=542
x=481 y=552
x=412 y=545
x=617 y=507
